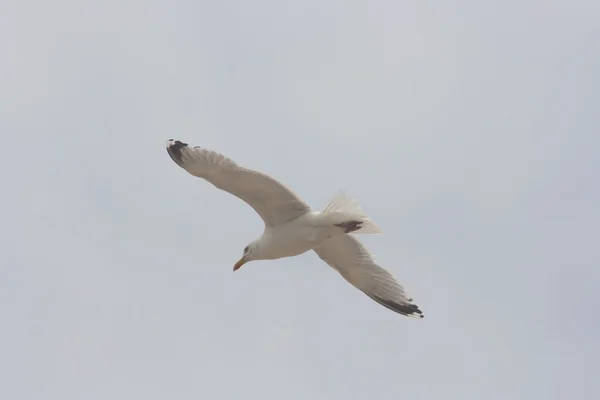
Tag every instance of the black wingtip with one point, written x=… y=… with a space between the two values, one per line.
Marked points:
x=414 y=311
x=418 y=311
x=174 y=148
x=410 y=310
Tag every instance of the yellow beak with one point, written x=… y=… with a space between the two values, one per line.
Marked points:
x=238 y=264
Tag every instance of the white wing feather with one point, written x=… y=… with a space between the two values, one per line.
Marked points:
x=275 y=203
x=354 y=262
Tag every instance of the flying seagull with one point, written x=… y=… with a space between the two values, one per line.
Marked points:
x=293 y=228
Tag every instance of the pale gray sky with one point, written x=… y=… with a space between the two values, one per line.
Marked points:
x=469 y=131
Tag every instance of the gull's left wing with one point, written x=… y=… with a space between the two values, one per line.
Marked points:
x=274 y=202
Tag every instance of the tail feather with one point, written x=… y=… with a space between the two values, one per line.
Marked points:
x=343 y=208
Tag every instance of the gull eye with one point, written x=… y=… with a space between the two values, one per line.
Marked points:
x=246 y=249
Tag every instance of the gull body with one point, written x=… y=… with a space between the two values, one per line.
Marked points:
x=295 y=237
x=292 y=227
x=292 y=238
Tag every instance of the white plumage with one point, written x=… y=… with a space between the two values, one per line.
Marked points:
x=292 y=227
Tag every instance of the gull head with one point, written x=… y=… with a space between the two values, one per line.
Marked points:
x=248 y=255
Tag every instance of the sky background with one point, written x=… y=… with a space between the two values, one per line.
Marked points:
x=467 y=130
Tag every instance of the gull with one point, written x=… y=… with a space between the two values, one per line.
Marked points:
x=292 y=227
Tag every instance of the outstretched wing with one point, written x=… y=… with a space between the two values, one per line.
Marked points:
x=275 y=203
x=353 y=261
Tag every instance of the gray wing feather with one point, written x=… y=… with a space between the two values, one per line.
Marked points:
x=274 y=202
x=347 y=255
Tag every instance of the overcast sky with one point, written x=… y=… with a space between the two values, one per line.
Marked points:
x=468 y=131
